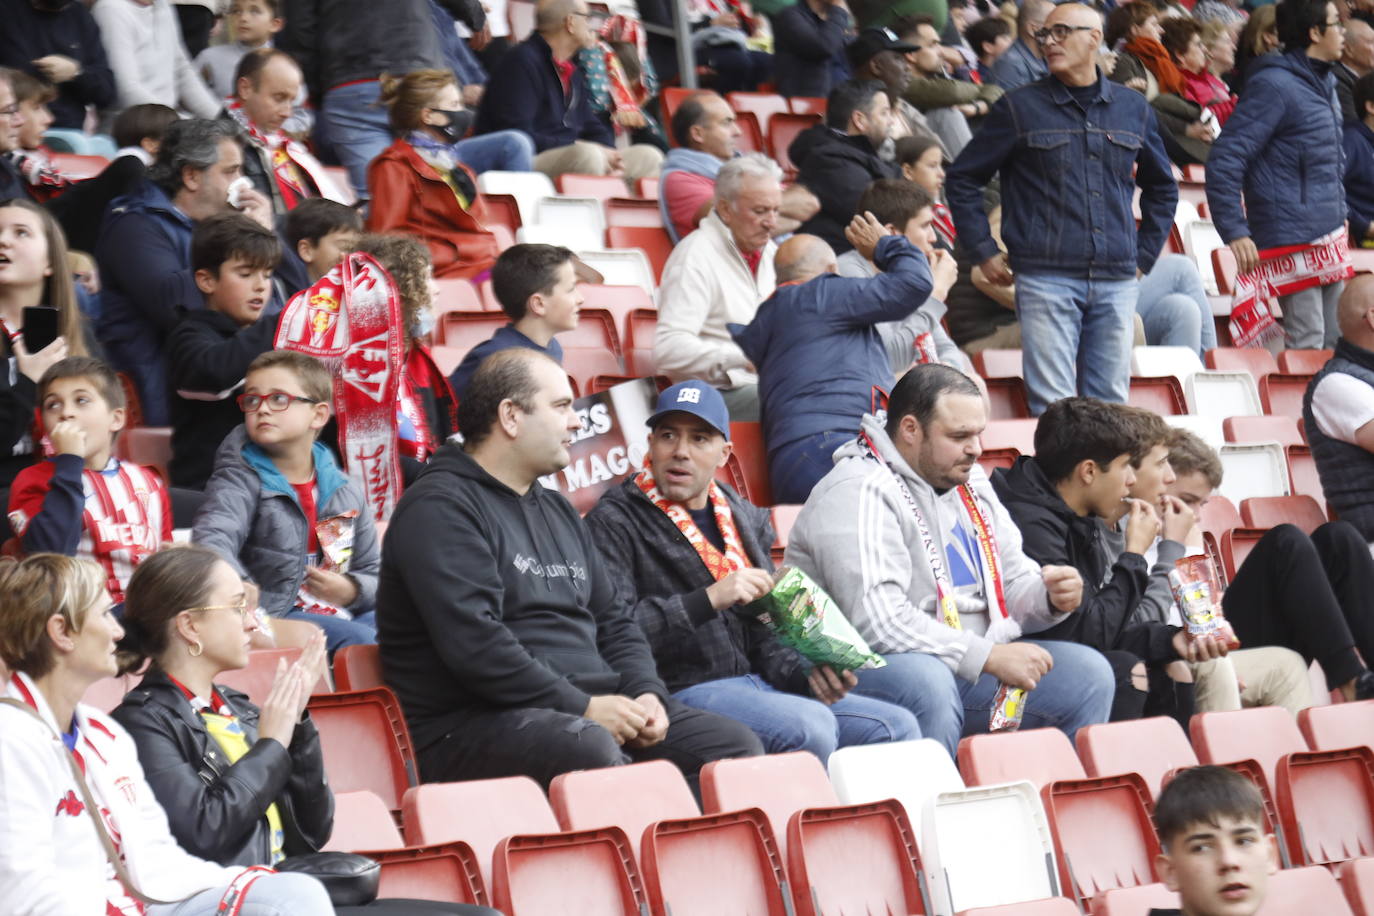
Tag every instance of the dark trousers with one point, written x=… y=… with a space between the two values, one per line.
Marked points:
x=1311 y=595
x=542 y=743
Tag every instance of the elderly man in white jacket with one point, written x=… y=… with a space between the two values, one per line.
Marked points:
x=907 y=536
x=717 y=276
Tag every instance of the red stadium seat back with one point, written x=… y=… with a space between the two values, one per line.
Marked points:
x=855 y=859
x=521 y=15
x=691 y=866
x=479 y=812
x=1133 y=901
x=1357 y=881
x=1269 y=511
x=1150 y=747
x=358 y=667
x=1236 y=545
x=1257 y=362
x=801 y=104
x=1304 y=890
x=994 y=363
x=1302 y=471
x=601 y=187
x=1017 y=434
x=1007 y=399
x=366 y=742
x=784 y=517
x=629 y=797
x=362 y=821
x=747 y=467
x=1081 y=813
x=652 y=240
x=489 y=301
x=780 y=785
x=502 y=210
x=255 y=679
x=447 y=874
x=1050 y=906
x=1303 y=362
x=751 y=136
x=457 y=295
x=1326 y=804
x=670 y=97
x=993 y=458
x=1262 y=429
x=590 y=871
x=640 y=328
x=1219 y=516
x=447 y=358
x=1263 y=734
x=1282 y=395
x=78 y=167
x=1224 y=269
x=621 y=302
x=1041 y=755
x=597 y=329
x=762 y=105
x=465 y=330
x=782 y=130
x=647 y=188
x=1160 y=394
x=1330 y=728
x=584 y=366
x=631 y=211
x=147 y=445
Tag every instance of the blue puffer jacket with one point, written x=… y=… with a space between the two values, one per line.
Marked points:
x=1282 y=149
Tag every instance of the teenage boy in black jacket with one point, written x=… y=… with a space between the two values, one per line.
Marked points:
x=500 y=630
x=1081 y=472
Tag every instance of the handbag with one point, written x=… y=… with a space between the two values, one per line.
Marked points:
x=350 y=879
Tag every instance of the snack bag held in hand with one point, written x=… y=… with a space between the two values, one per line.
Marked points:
x=335 y=535
x=1197 y=592
x=1008 y=706
x=805 y=618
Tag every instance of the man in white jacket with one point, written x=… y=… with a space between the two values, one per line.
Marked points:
x=143 y=43
x=907 y=536
x=717 y=276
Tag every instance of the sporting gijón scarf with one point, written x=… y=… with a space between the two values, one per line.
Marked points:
x=1001 y=627
x=718 y=564
x=351 y=321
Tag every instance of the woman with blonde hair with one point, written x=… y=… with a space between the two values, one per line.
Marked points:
x=420 y=184
x=80 y=828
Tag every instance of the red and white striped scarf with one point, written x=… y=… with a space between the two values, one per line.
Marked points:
x=719 y=564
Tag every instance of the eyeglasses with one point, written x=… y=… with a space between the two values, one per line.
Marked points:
x=1059 y=32
x=241 y=607
x=276 y=401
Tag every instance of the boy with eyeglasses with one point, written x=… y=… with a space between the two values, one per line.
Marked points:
x=280 y=511
x=83 y=501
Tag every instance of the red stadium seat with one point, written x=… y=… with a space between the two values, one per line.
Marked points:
x=255 y=679
x=784 y=517
x=747 y=467
x=669 y=98
x=801 y=104
x=629 y=797
x=502 y=210
x=597 y=329
x=1151 y=747
x=782 y=130
x=993 y=458
x=1050 y=906
x=1219 y=516
x=1282 y=395
x=362 y=821
x=855 y=859
x=106 y=693
x=1303 y=362
x=457 y=295
x=652 y=240
x=601 y=187
x=631 y=211
x=763 y=105
x=995 y=363
x=647 y=188
x=1081 y=813
x=1224 y=269
x=639 y=342
x=447 y=358
x=1007 y=399
x=479 y=812
x=147 y=445
x=1133 y=901
x=1302 y=471
x=521 y=15
x=489 y=301
x=1264 y=734
x=1041 y=755
x=1257 y=362
x=366 y=742
x=358 y=667
x=586 y=872
x=1236 y=545
x=1160 y=394
x=691 y=866
x=778 y=784
x=1304 y=890
x=466 y=330
x=1326 y=804
x=1269 y=511
x=751 y=136
x=620 y=302
x=1017 y=434
x=78 y=167
x=1330 y=728
x=1262 y=429
x=1357 y=881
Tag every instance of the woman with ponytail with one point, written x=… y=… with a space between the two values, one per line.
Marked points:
x=63 y=764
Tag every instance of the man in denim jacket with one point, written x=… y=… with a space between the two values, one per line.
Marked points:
x=1065 y=146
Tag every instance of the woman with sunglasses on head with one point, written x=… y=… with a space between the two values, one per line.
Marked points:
x=63 y=763
x=242 y=784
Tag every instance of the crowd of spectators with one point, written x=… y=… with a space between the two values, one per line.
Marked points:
x=980 y=178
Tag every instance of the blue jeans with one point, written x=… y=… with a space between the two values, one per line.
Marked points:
x=502 y=151
x=1076 y=692
x=353 y=123
x=1173 y=306
x=798 y=466
x=788 y=722
x=338 y=632
x=283 y=894
x=1076 y=335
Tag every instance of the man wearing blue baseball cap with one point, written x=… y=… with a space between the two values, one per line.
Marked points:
x=688 y=551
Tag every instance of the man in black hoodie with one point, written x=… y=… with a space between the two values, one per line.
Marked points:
x=500 y=631
x=838 y=160
x=1082 y=471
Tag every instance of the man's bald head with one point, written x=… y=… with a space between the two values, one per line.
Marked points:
x=1074 y=14
x=803 y=257
x=1358 y=51
x=1353 y=314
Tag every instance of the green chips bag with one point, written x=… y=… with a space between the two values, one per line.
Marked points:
x=805 y=618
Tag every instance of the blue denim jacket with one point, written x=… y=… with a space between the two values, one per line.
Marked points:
x=1066 y=182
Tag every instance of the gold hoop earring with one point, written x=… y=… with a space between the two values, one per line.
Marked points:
x=195 y=649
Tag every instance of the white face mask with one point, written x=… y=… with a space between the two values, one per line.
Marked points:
x=236 y=189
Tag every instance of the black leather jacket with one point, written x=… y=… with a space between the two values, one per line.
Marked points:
x=216 y=810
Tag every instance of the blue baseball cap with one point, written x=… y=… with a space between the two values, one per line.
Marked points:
x=696 y=398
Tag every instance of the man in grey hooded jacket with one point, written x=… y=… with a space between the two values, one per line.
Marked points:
x=907 y=536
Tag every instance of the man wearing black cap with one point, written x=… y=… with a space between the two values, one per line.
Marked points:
x=689 y=552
